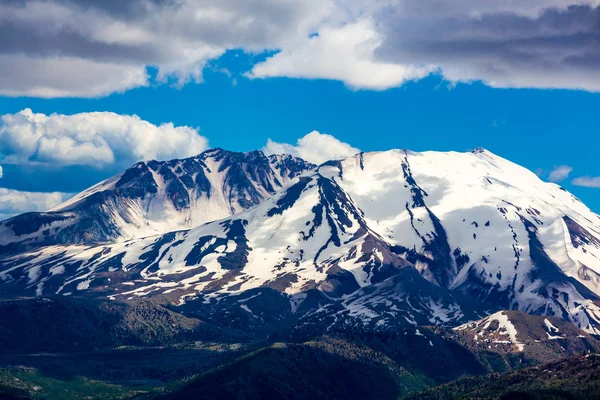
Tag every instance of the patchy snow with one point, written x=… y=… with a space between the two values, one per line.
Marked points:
x=551 y=328
x=296 y=300
x=84 y=284
x=553 y=337
x=505 y=328
x=248 y=310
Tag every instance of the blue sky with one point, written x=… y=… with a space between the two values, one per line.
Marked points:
x=539 y=112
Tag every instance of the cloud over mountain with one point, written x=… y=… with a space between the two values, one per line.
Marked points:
x=314 y=147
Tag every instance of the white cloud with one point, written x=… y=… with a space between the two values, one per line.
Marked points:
x=314 y=147
x=345 y=53
x=587 y=181
x=560 y=173
x=98 y=139
x=14 y=202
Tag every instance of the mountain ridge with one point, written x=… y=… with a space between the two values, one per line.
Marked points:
x=155 y=197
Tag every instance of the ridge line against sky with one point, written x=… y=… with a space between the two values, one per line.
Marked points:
x=105 y=141
x=101 y=139
x=89 y=88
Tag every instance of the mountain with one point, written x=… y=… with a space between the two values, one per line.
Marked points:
x=156 y=197
x=324 y=368
x=379 y=241
x=335 y=369
x=569 y=378
x=514 y=338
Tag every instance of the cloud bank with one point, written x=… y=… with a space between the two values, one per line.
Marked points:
x=68 y=48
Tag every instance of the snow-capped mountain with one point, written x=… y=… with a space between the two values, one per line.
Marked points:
x=157 y=197
x=377 y=241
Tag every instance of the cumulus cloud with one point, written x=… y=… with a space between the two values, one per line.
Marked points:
x=14 y=202
x=560 y=173
x=587 y=181
x=62 y=48
x=314 y=147
x=97 y=139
